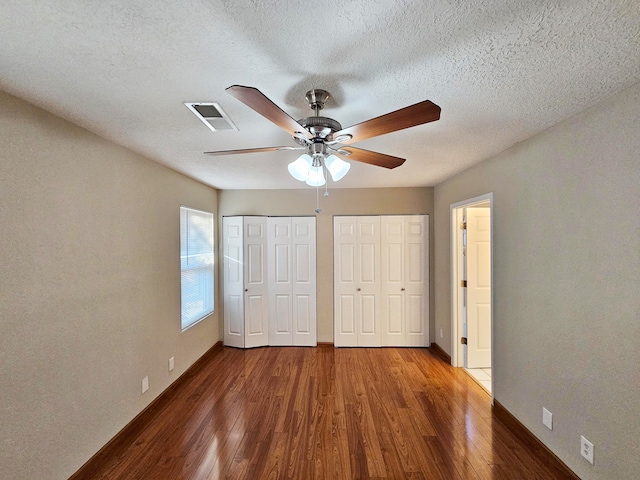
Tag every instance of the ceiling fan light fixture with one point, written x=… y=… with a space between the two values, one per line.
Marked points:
x=300 y=168
x=316 y=176
x=337 y=167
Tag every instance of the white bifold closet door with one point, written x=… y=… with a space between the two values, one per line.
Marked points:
x=381 y=287
x=246 y=307
x=292 y=281
x=269 y=291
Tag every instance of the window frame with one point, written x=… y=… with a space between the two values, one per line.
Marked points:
x=204 y=267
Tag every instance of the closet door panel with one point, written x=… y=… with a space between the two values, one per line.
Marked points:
x=345 y=266
x=346 y=315
x=280 y=281
x=233 y=281
x=304 y=265
x=415 y=314
x=292 y=281
x=304 y=315
x=394 y=313
x=256 y=314
x=368 y=281
x=393 y=277
x=235 y=304
x=357 y=281
x=282 y=265
x=280 y=319
x=303 y=248
x=417 y=280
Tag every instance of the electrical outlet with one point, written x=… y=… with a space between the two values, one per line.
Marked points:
x=547 y=418
x=586 y=449
x=145 y=384
x=441 y=334
x=171 y=363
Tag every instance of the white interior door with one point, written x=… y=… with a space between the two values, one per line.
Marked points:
x=478 y=271
x=232 y=231
x=304 y=317
x=256 y=307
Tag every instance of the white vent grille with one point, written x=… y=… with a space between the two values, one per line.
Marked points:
x=211 y=115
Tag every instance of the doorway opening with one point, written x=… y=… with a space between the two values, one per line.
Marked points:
x=471 y=288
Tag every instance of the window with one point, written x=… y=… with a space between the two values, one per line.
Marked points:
x=196 y=265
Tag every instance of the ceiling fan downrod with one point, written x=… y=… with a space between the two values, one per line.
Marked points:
x=320 y=127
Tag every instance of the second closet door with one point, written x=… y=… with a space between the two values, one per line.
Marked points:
x=381 y=288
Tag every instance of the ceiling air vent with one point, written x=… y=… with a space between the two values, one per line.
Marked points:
x=211 y=115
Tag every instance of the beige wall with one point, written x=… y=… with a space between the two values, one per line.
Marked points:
x=89 y=289
x=567 y=295
x=340 y=202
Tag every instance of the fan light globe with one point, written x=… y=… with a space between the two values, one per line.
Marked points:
x=316 y=177
x=337 y=167
x=299 y=169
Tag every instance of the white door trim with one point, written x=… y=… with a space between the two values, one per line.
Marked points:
x=455 y=210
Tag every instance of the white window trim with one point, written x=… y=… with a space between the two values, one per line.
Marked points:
x=207 y=298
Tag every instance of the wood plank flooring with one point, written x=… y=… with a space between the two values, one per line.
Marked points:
x=324 y=413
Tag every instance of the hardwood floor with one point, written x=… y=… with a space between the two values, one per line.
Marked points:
x=323 y=413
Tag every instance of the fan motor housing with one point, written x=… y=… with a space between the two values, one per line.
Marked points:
x=321 y=127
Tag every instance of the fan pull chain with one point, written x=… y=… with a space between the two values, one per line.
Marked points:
x=318 y=199
x=326 y=183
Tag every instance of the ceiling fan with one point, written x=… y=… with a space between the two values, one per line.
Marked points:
x=324 y=139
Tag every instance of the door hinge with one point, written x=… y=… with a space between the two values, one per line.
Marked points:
x=463 y=226
x=463 y=340
x=463 y=283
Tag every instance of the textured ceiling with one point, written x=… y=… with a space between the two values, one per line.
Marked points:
x=502 y=71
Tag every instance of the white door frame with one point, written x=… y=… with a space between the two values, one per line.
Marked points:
x=456 y=211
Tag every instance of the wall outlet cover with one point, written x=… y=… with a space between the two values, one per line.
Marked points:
x=145 y=384
x=586 y=449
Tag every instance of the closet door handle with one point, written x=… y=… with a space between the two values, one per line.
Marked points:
x=246 y=289
x=359 y=289
x=402 y=289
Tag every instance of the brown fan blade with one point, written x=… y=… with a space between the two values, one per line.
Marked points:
x=418 y=114
x=255 y=99
x=253 y=150
x=372 y=158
